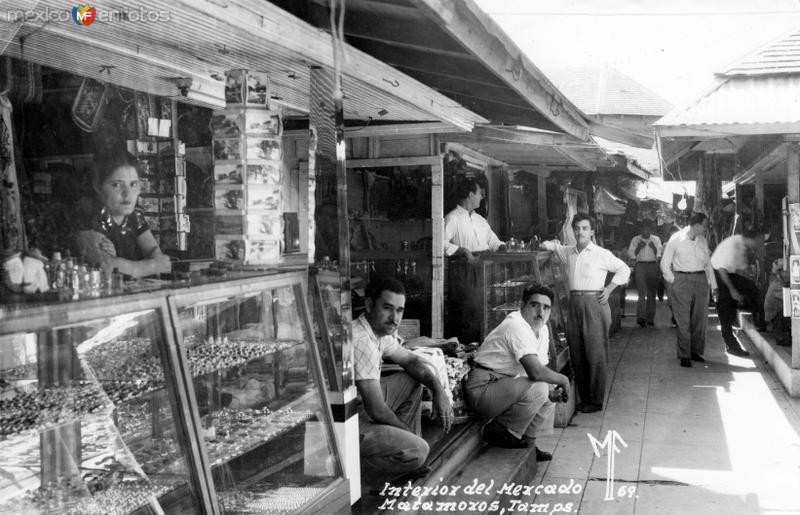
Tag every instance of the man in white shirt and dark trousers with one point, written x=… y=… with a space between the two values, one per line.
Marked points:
x=589 y=316
x=511 y=382
x=465 y=233
x=645 y=250
x=686 y=265
x=730 y=256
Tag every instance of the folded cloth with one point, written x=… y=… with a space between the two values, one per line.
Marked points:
x=435 y=357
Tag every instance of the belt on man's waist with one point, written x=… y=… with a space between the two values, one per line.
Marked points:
x=585 y=292
x=646 y=262
x=478 y=365
x=697 y=272
x=484 y=367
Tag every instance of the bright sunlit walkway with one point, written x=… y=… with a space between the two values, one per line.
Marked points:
x=720 y=437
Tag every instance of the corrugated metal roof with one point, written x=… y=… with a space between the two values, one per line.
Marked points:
x=646 y=159
x=203 y=38
x=781 y=55
x=739 y=105
x=606 y=90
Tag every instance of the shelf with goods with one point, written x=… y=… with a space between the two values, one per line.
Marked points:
x=265 y=401
x=175 y=401
x=81 y=456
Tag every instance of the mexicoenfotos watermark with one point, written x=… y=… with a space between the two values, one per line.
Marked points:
x=86 y=15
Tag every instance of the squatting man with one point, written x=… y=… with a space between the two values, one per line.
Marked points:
x=510 y=383
x=391 y=406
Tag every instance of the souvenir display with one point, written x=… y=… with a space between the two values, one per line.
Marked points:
x=228 y=198
x=227 y=125
x=247 y=136
x=108 y=425
x=268 y=172
x=228 y=173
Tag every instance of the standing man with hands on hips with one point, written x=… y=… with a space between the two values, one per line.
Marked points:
x=589 y=317
x=686 y=265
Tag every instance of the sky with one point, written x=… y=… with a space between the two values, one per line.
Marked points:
x=671 y=46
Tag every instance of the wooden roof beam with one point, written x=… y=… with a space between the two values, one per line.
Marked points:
x=570 y=155
x=265 y=21
x=764 y=162
x=620 y=135
x=474 y=29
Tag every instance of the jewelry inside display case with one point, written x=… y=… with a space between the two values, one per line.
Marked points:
x=260 y=399
x=207 y=399
x=87 y=419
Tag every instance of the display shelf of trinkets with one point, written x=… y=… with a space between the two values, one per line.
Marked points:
x=47 y=408
x=156 y=468
x=278 y=500
x=96 y=492
x=237 y=432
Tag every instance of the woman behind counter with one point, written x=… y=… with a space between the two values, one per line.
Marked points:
x=114 y=233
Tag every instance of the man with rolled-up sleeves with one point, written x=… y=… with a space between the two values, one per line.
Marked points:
x=589 y=316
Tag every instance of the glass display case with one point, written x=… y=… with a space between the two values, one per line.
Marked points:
x=331 y=333
x=504 y=277
x=262 y=414
x=204 y=399
x=90 y=420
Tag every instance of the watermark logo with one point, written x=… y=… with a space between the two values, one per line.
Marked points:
x=611 y=440
x=83 y=14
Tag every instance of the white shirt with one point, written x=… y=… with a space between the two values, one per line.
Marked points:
x=587 y=269
x=646 y=255
x=509 y=342
x=682 y=254
x=471 y=231
x=730 y=254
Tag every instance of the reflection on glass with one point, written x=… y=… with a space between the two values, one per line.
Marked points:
x=260 y=410
x=86 y=423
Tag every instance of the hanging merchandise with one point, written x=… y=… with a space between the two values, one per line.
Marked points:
x=12 y=238
x=607 y=203
x=90 y=104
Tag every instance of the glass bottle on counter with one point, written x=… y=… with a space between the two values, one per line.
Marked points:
x=117 y=283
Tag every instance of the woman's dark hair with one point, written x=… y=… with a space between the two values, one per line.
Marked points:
x=536 y=289
x=580 y=217
x=107 y=161
x=378 y=285
x=697 y=218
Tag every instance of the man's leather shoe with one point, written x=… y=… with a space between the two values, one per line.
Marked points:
x=641 y=322
x=698 y=357
x=737 y=351
x=412 y=476
x=590 y=408
x=498 y=436
x=542 y=455
x=686 y=362
x=651 y=324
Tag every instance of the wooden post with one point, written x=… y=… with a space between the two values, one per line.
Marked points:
x=541 y=203
x=708 y=197
x=437 y=249
x=793 y=196
x=327 y=153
